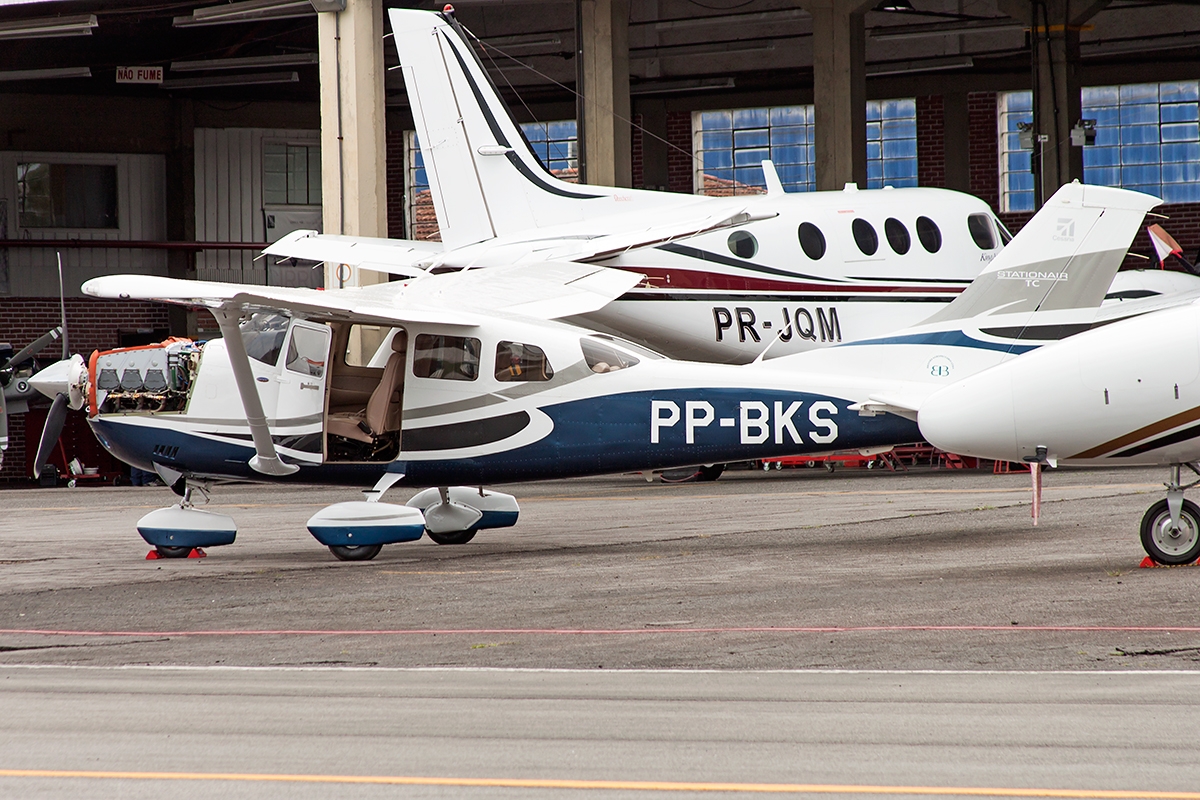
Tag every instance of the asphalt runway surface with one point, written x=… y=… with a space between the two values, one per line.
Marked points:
x=854 y=634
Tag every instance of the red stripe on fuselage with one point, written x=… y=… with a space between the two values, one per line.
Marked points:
x=660 y=278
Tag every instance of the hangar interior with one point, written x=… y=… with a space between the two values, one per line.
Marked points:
x=179 y=137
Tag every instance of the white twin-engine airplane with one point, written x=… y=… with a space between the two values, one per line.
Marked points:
x=723 y=276
x=477 y=382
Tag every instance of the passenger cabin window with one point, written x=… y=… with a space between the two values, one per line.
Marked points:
x=369 y=345
x=929 y=234
x=897 y=235
x=812 y=241
x=307 y=351
x=522 y=362
x=865 y=236
x=980 y=226
x=263 y=335
x=602 y=357
x=451 y=358
x=743 y=244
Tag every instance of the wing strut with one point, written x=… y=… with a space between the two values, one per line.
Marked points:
x=265 y=460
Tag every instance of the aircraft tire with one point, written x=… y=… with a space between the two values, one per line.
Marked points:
x=173 y=552
x=362 y=552
x=709 y=472
x=1161 y=545
x=458 y=537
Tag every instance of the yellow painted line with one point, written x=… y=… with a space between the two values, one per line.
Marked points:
x=644 y=786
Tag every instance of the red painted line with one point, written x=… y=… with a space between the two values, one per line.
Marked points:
x=635 y=631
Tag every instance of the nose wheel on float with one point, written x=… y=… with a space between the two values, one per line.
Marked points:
x=1171 y=527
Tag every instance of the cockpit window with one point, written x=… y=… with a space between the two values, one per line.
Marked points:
x=263 y=333
x=980 y=226
x=451 y=358
x=600 y=356
x=522 y=362
x=743 y=244
x=633 y=347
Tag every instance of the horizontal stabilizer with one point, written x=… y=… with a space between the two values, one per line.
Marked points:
x=392 y=256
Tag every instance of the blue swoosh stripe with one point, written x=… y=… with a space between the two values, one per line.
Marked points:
x=949 y=339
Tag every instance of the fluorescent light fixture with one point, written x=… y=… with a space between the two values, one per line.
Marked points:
x=246 y=11
x=282 y=60
x=215 y=81
x=920 y=65
x=671 y=87
x=885 y=33
x=49 y=27
x=41 y=74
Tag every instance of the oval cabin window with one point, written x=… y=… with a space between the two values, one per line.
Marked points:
x=743 y=244
x=929 y=234
x=980 y=227
x=865 y=236
x=812 y=241
x=897 y=235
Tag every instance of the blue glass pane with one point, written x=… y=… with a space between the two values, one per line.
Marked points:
x=534 y=131
x=1181 y=192
x=1139 y=93
x=418 y=159
x=1107 y=136
x=416 y=142
x=906 y=168
x=718 y=140
x=1140 y=154
x=1021 y=201
x=1105 y=117
x=1139 y=115
x=716 y=120
x=1181 y=132
x=1181 y=152
x=1019 y=101
x=750 y=118
x=1177 y=92
x=1139 y=134
x=788 y=155
x=900 y=129
x=874 y=171
x=1147 y=175
x=873 y=131
x=873 y=111
x=790 y=115
x=1019 y=161
x=1179 y=173
x=748 y=158
x=564 y=129
x=756 y=137
x=749 y=177
x=420 y=179
x=1100 y=95
x=1101 y=156
x=903 y=148
x=788 y=135
x=1020 y=181
x=874 y=151
x=1180 y=112
x=716 y=159
x=719 y=174
x=794 y=174
x=1101 y=176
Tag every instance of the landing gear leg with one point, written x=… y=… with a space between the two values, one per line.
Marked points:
x=1171 y=527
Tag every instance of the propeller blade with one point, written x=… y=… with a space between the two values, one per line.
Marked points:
x=62 y=305
x=35 y=347
x=3 y=426
x=55 y=419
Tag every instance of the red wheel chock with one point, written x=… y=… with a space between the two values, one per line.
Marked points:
x=195 y=553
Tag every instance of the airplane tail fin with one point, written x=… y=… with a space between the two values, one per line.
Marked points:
x=485 y=179
x=1064 y=258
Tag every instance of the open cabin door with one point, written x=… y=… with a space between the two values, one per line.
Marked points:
x=366 y=393
x=301 y=402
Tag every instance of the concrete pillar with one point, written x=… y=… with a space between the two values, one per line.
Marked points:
x=1054 y=35
x=956 y=140
x=602 y=31
x=839 y=91
x=353 y=142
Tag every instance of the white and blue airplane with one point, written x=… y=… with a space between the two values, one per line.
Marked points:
x=722 y=276
x=478 y=381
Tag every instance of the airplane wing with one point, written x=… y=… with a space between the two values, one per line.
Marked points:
x=406 y=257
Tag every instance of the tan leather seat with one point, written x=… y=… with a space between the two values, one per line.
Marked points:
x=382 y=414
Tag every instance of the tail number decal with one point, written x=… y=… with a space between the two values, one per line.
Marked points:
x=801 y=322
x=756 y=421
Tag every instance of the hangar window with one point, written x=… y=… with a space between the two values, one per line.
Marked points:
x=451 y=358
x=1147 y=139
x=67 y=195
x=897 y=235
x=522 y=362
x=291 y=174
x=731 y=145
x=929 y=234
x=554 y=143
x=865 y=236
x=812 y=241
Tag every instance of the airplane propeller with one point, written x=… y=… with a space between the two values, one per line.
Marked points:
x=66 y=382
x=9 y=369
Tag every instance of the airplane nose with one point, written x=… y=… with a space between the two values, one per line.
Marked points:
x=975 y=417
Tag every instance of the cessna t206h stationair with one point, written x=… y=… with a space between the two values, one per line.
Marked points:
x=479 y=382
x=723 y=276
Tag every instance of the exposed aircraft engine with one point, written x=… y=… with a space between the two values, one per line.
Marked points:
x=154 y=378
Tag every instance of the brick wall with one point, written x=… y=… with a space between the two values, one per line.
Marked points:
x=931 y=141
x=91 y=325
x=984 y=147
x=679 y=155
x=395 y=184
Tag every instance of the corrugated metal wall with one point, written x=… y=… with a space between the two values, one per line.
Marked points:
x=229 y=198
x=141 y=216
